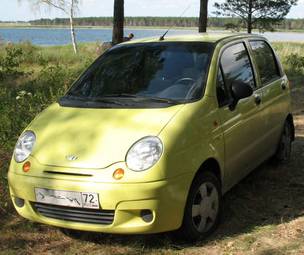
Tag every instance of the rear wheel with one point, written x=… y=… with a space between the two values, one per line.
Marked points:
x=283 y=153
x=202 y=212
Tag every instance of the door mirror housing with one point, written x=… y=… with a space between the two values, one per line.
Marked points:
x=240 y=90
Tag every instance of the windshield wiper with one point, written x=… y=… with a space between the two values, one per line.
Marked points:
x=93 y=100
x=114 y=99
x=126 y=95
x=164 y=100
x=141 y=97
x=107 y=101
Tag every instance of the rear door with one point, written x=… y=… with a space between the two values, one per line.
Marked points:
x=275 y=96
x=243 y=125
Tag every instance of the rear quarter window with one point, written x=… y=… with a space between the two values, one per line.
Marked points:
x=266 y=62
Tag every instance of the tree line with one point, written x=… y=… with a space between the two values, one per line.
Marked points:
x=219 y=22
x=136 y=21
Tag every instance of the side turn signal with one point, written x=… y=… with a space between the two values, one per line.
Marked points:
x=26 y=166
x=118 y=174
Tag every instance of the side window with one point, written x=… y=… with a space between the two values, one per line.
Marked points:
x=236 y=66
x=221 y=90
x=265 y=60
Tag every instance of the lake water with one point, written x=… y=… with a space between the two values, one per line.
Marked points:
x=61 y=36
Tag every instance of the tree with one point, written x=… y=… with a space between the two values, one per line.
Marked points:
x=69 y=7
x=118 y=22
x=203 y=18
x=261 y=13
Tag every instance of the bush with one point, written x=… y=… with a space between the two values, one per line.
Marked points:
x=10 y=62
x=295 y=61
x=31 y=78
x=37 y=85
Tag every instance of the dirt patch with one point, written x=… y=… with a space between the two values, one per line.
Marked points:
x=299 y=124
x=298 y=110
x=298 y=100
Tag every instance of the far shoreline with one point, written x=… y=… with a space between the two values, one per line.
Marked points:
x=27 y=26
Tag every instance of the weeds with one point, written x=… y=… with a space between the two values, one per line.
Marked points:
x=292 y=57
x=31 y=78
x=10 y=62
x=296 y=62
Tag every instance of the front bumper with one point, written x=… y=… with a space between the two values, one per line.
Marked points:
x=165 y=199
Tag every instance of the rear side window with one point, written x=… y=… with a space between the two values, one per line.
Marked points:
x=266 y=61
x=236 y=66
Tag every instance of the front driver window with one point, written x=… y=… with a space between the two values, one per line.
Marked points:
x=237 y=66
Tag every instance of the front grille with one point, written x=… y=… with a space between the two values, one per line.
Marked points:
x=83 y=215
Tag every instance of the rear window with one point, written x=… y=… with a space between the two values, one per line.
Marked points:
x=266 y=61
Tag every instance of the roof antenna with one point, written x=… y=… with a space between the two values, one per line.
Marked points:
x=163 y=36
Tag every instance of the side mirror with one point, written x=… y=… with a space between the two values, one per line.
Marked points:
x=240 y=90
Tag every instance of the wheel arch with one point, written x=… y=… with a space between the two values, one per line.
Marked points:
x=210 y=165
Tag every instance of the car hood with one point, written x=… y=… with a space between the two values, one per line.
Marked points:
x=97 y=138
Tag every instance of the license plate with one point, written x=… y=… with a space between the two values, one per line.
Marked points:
x=67 y=198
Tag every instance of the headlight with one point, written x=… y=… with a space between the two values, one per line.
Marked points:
x=24 y=146
x=144 y=154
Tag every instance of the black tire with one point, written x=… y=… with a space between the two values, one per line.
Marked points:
x=190 y=229
x=74 y=234
x=283 y=153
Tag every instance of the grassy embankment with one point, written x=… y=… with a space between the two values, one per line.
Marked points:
x=264 y=214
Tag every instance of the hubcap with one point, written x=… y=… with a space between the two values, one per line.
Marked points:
x=205 y=207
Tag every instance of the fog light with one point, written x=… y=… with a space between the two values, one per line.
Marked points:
x=146 y=215
x=118 y=174
x=19 y=202
x=26 y=166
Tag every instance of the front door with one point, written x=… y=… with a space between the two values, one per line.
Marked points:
x=242 y=125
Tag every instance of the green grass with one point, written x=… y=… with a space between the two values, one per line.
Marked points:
x=263 y=214
x=292 y=57
x=31 y=78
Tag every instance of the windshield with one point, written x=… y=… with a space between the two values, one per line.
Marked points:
x=163 y=72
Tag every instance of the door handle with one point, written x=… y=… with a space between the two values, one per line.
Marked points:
x=257 y=99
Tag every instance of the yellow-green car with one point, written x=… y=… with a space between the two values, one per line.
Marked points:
x=151 y=136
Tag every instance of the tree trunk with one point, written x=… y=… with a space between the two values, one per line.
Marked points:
x=203 y=19
x=73 y=36
x=249 y=20
x=118 y=22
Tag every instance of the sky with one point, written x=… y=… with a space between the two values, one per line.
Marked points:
x=13 y=10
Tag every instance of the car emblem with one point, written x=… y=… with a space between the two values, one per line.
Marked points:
x=71 y=157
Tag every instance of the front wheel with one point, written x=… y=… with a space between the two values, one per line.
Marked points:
x=202 y=211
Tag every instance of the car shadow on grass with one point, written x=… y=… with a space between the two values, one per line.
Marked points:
x=270 y=195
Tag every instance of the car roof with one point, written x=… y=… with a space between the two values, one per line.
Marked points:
x=198 y=37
